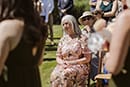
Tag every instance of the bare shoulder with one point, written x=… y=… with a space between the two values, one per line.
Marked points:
x=11 y=27
x=11 y=32
x=11 y=24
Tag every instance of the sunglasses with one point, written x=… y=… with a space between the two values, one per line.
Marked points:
x=95 y=13
x=86 y=18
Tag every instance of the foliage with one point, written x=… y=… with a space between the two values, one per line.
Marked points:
x=80 y=3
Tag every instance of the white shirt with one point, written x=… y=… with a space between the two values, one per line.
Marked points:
x=47 y=8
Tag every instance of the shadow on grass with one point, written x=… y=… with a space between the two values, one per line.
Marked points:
x=55 y=38
x=51 y=47
x=49 y=59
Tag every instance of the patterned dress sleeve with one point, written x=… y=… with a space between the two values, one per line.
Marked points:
x=58 y=53
x=85 y=50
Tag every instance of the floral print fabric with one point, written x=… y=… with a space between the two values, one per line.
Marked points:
x=73 y=75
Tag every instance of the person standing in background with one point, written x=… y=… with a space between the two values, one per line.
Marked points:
x=21 y=44
x=65 y=7
x=47 y=16
x=92 y=4
x=108 y=7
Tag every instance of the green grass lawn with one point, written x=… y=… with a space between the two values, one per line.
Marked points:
x=46 y=68
x=49 y=62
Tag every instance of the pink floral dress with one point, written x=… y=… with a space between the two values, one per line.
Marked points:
x=72 y=75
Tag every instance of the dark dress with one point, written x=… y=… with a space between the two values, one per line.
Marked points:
x=22 y=67
x=107 y=8
x=92 y=8
x=123 y=79
x=65 y=4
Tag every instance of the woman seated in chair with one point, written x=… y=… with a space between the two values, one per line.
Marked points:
x=73 y=57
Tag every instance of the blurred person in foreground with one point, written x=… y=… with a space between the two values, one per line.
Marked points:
x=118 y=59
x=21 y=44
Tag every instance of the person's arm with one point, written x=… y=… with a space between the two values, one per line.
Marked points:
x=100 y=24
x=85 y=53
x=59 y=58
x=59 y=5
x=113 y=11
x=98 y=4
x=10 y=31
x=83 y=60
x=119 y=44
x=70 y=5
